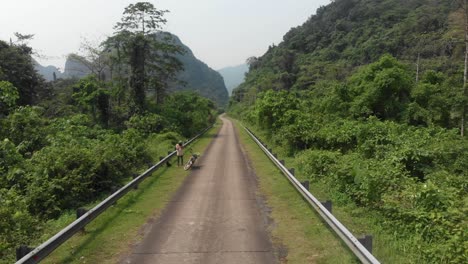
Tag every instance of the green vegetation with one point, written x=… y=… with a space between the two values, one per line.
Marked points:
x=8 y=96
x=366 y=99
x=109 y=237
x=70 y=143
x=296 y=226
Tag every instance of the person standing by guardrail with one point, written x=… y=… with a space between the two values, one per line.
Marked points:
x=180 y=153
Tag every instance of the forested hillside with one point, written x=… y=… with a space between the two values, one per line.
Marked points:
x=69 y=143
x=197 y=76
x=368 y=98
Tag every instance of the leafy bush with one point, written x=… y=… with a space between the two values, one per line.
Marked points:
x=381 y=89
x=188 y=113
x=8 y=96
x=17 y=225
x=75 y=170
x=22 y=127
x=161 y=144
x=10 y=159
x=147 y=124
x=271 y=108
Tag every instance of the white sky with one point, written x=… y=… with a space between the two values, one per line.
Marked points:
x=219 y=32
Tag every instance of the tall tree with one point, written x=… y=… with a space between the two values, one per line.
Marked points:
x=149 y=56
x=15 y=59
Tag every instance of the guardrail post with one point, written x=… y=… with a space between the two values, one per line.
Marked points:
x=270 y=150
x=113 y=189
x=366 y=241
x=274 y=155
x=292 y=171
x=22 y=251
x=134 y=176
x=80 y=212
x=167 y=162
x=282 y=162
x=305 y=184
x=328 y=205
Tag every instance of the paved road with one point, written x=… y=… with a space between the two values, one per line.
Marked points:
x=215 y=217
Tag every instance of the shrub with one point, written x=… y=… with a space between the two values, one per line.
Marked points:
x=147 y=124
x=17 y=225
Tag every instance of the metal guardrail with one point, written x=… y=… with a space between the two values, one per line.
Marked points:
x=42 y=251
x=352 y=242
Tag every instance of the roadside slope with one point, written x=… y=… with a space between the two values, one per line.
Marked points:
x=113 y=233
x=298 y=232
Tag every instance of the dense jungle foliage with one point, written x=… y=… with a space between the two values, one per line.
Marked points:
x=368 y=98
x=68 y=143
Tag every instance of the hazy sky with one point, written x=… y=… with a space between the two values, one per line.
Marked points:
x=220 y=32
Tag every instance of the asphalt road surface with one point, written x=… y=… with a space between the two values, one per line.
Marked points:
x=215 y=217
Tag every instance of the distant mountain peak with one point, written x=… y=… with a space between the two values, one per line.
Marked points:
x=234 y=75
x=47 y=71
x=199 y=77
